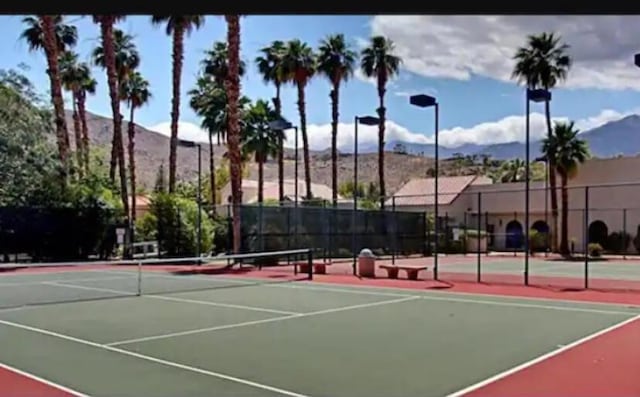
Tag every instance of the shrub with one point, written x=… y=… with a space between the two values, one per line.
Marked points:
x=537 y=241
x=617 y=242
x=594 y=250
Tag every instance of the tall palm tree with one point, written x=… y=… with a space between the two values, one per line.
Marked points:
x=71 y=77
x=134 y=90
x=51 y=34
x=106 y=23
x=567 y=151
x=87 y=86
x=127 y=59
x=232 y=86
x=259 y=139
x=378 y=61
x=300 y=63
x=543 y=63
x=271 y=67
x=176 y=26
x=336 y=60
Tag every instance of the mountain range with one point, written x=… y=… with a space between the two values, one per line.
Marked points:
x=619 y=137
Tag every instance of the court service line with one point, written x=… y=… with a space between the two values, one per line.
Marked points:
x=264 y=321
x=463 y=300
x=541 y=358
x=62 y=280
x=42 y=380
x=154 y=359
x=169 y=298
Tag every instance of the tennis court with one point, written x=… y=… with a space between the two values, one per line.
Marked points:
x=85 y=329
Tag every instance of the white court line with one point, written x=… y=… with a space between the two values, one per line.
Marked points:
x=154 y=359
x=62 y=280
x=168 y=298
x=268 y=320
x=541 y=358
x=42 y=380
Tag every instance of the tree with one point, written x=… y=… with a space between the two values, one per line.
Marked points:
x=543 y=63
x=176 y=26
x=127 y=59
x=232 y=86
x=378 y=61
x=336 y=60
x=512 y=171
x=134 y=90
x=300 y=63
x=259 y=139
x=87 y=86
x=567 y=151
x=49 y=33
x=106 y=23
x=71 y=77
x=271 y=67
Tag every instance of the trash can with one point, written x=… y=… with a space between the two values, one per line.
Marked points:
x=366 y=263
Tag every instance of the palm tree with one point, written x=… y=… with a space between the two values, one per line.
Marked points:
x=232 y=87
x=176 y=26
x=87 y=86
x=271 y=67
x=567 y=151
x=379 y=62
x=300 y=63
x=71 y=78
x=134 y=90
x=543 y=63
x=127 y=59
x=106 y=23
x=259 y=139
x=512 y=171
x=49 y=33
x=336 y=60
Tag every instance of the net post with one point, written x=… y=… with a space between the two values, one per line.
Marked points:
x=586 y=237
x=395 y=230
x=139 y=291
x=624 y=233
x=310 y=264
x=479 y=255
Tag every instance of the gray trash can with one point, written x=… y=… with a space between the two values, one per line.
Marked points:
x=366 y=263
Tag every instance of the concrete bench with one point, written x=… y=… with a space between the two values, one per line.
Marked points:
x=412 y=270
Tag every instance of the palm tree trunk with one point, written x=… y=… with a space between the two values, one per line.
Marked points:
x=278 y=108
x=51 y=52
x=113 y=162
x=260 y=178
x=564 y=240
x=85 y=130
x=305 y=139
x=233 y=133
x=381 y=126
x=178 y=37
x=212 y=174
x=334 y=142
x=77 y=132
x=106 y=28
x=132 y=166
x=552 y=184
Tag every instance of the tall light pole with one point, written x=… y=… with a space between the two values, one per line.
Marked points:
x=364 y=120
x=532 y=95
x=543 y=159
x=186 y=143
x=427 y=101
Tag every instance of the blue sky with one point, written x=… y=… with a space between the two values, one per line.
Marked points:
x=464 y=61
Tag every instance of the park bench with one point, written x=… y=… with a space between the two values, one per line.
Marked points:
x=412 y=270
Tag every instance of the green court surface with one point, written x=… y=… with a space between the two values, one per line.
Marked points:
x=271 y=339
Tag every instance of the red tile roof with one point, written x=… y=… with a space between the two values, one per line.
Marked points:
x=421 y=191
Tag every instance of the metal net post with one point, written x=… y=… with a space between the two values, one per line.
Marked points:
x=625 y=242
x=395 y=230
x=479 y=238
x=139 y=291
x=586 y=237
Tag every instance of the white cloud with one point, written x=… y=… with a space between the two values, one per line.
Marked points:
x=458 y=47
x=507 y=129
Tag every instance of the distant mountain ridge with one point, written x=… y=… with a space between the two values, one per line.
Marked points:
x=619 y=137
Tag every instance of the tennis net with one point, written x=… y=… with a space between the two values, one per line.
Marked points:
x=25 y=284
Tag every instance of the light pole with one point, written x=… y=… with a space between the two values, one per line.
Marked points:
x=186 y=143
x=543 y=159
x=532 y=95
x=426 y=101
x=364 y=120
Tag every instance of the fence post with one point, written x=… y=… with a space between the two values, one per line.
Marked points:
x=395 y=230
x=486 y=229
x=624 y=234
x=446 y=231
x=478 y=237
x=586 y=237
x=260 y=224
x=464 y=227
x=515 y=248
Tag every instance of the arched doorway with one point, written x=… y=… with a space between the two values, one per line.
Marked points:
x=515 y=236
x=598 y=232
x=542 y=243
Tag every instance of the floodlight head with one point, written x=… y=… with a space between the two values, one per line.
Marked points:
x=368 y=120
x=422 y=100
x=538 y=95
